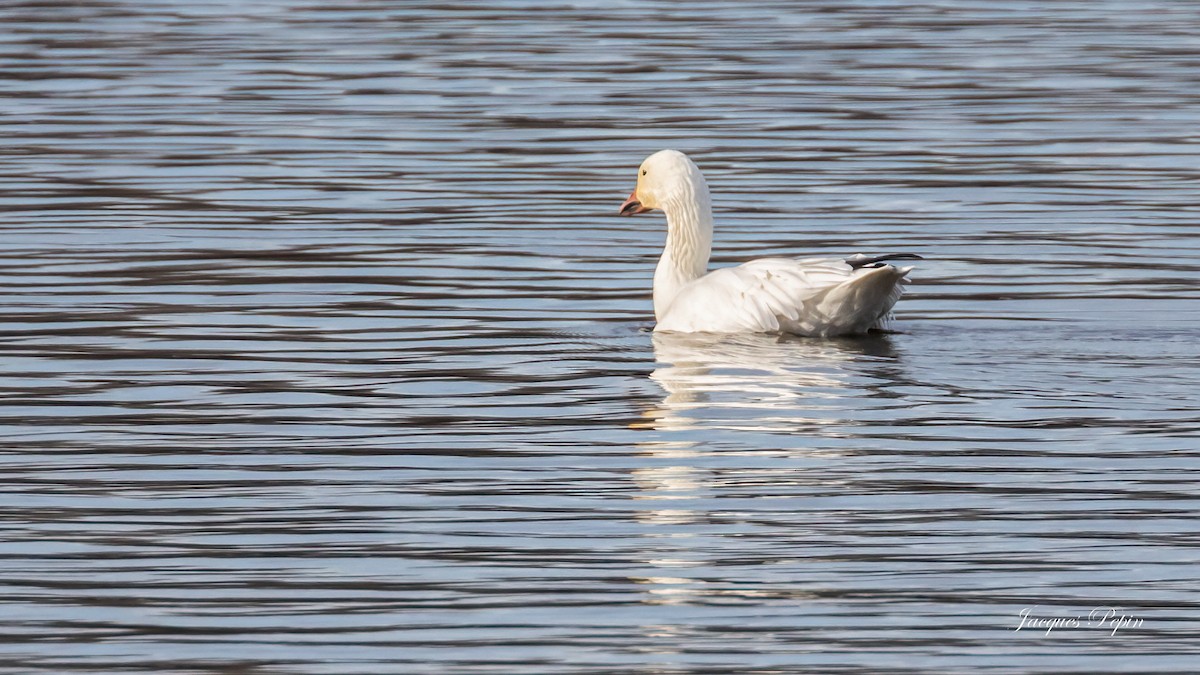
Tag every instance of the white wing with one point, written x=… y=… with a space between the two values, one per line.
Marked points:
x=814 y=296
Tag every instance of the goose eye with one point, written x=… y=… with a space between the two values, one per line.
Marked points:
x=643 y=172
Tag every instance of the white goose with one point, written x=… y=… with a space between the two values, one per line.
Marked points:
x=817 y=297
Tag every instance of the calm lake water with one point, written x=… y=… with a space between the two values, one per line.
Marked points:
x=324 y=350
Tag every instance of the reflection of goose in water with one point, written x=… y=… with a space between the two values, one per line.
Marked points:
x=760 y=382
x=748 y=382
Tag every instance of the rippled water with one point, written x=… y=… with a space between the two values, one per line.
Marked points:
x=324 y=351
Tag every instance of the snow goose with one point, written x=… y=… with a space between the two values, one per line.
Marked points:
x=818 y=297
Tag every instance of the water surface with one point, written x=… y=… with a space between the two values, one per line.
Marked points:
x=324 y=351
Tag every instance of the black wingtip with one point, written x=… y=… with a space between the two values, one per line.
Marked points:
x=859 y=261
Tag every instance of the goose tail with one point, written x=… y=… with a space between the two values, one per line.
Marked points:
x=864 y=301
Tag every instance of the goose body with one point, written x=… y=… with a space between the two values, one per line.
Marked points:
x=817 y=297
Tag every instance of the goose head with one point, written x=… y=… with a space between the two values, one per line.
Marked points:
x=665 y=176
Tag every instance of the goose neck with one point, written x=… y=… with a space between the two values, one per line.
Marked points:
x=689 y=234
x=688 y=247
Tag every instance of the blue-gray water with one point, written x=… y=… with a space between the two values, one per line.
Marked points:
x=323 y=350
